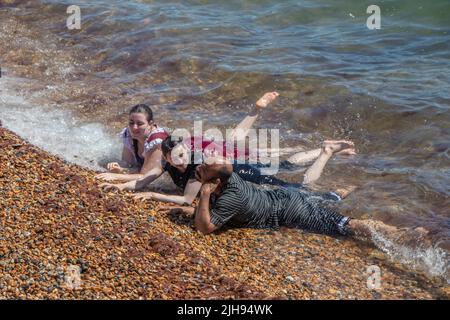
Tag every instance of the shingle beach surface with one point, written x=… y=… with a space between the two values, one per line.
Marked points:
x=53 y=216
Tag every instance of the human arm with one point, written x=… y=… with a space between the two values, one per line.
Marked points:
x=190 y=192
x=138 y=184
x=202 y=220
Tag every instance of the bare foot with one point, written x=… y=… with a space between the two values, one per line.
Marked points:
x=267 y=98
x=345 y=191
x=367 y=228
x=335 y=146
x=372 y=230
x=422 y=231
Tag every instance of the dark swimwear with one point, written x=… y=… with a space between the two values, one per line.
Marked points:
x=139 y=159
x=248 y=172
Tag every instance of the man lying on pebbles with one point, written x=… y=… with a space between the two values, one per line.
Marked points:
x=227 y=200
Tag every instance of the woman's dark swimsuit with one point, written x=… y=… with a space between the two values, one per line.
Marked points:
x=252 y=173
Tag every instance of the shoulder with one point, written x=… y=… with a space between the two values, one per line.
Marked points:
x=155 y=138
x=233 y=187
x=158 y=132
x=235 y=181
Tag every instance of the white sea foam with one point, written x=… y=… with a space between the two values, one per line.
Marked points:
x=57 y=131
x=433 y=260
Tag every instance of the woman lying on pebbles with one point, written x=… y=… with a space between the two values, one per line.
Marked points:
x=181 y=169
x=142 y=140
x=143 y=137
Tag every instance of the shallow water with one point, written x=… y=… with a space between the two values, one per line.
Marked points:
x=388 y=90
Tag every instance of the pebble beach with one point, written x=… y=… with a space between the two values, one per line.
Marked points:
x=54 y=216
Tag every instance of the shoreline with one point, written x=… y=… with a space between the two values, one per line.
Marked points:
x=53 y=216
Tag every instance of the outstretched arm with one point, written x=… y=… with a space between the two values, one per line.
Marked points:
x=138 y=184
x=152 y=160
x=190 y=192
x=241 y=130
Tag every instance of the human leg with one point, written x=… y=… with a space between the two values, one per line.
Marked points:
x=307 y=156
x=367 y=229
x=303 y=212
x=329 y=148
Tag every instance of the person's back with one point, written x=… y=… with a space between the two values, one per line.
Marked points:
x=242 y=204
